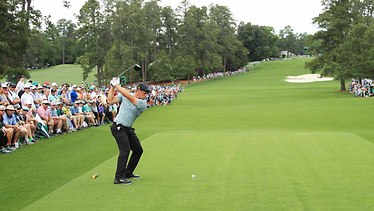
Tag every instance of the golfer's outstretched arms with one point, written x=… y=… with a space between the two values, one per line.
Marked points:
x=125 y=93
x=111 y=99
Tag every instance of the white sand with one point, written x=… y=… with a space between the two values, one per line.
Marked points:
x=307 y=78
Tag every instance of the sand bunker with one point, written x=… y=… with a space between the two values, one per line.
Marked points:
x=307 y=78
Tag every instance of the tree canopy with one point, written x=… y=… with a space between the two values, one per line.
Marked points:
x=111 y=35
x=343 y=45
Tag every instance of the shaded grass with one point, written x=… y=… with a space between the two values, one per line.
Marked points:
x=34 y=171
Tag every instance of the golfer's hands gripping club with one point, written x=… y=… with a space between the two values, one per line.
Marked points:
x=114 y=82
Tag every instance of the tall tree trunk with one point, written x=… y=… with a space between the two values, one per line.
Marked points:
x=99 y=70
x=342 y=85
x=23 y=5
x=26 y=6
x=63 y=52
x=144 y=76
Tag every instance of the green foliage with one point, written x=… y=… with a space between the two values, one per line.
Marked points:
x=183 y=67
x=335 y=45
x=356 y=53
x=13 y=74
x=14 y=34
x=259 y=40
x=86 y=64
x=93 y=28
x=160 y=70
x=292 y=43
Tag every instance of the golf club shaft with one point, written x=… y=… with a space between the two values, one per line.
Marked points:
x=126 y=71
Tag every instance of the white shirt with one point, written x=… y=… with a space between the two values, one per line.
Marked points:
x=12 y=95
x=20 y=86
x=27 y=97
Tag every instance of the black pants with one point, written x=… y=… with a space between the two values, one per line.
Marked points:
x=3 y=139
x=126 y=140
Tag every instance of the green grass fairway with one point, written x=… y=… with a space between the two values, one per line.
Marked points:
x=234 y=171
x=68 y=73
x=254 y=142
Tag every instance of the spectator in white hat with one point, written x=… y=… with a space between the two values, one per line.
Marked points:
x=4 y=95
x=54 y=85
x=13 y=95
x=38 y=96
x=10 y=121
x=29 y=119
x=79 y=121
x=57 y=120
x=26 y=96
x=24 y=125
x=45 y=114
x=31 y=113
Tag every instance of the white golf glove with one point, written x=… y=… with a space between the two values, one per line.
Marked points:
x=114 y=81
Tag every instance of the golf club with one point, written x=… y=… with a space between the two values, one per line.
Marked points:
x=135 y=66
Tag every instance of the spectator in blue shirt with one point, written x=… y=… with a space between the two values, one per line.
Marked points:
x=80 y=116
x=73 y=94
x=10 y=121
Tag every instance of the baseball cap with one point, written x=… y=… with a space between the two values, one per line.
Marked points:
x=144 y=87
x=25 y=108
x=27 y=85
x=17 y=106
x=45 y=102
x=28 y=102
x=54 y=84
x=4 y=85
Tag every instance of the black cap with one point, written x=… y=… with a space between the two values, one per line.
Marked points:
x=144 y=87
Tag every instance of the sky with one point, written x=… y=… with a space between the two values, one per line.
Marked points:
x=276 y=13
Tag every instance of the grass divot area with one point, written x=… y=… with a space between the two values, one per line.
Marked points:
x=256 y=170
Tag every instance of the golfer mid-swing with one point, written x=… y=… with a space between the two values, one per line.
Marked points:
x=132 y=105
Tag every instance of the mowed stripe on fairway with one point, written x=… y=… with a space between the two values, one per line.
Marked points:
x=248 y=170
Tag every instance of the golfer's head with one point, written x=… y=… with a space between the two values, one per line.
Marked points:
x=143 y=90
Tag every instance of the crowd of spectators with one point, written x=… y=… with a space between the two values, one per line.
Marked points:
x=218 y=74
x=361 y=88
x=30 y=111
